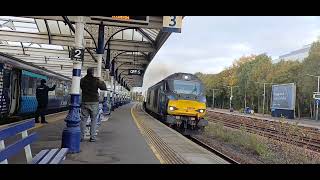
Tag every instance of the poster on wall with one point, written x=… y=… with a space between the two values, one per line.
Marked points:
x=283 y=96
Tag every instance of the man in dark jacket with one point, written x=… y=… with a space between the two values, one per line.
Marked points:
x=90 y=102
x=42 y=98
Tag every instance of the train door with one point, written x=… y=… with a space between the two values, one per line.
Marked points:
x=14 y=90
x=162 y=100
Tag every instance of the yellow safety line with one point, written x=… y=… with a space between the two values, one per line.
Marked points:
x=39 y=125
x=142 y=132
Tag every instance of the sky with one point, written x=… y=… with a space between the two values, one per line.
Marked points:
x=208 y=44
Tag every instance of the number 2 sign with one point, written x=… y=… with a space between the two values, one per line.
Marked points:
x=77 y=54
x=172 y=24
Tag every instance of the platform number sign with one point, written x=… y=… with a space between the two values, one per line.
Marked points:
x=135 y=72
x=77 y=54
x=172 y=24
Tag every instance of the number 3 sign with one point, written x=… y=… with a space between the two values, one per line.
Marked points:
x=77 y=54
x=172 y=24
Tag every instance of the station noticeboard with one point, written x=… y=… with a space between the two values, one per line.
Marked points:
x=283 y=96
x=123 y=19
x=172 y=24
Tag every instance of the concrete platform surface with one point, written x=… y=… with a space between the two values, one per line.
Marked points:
x=119 y=141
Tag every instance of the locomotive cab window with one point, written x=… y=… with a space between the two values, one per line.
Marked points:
x=186 y=87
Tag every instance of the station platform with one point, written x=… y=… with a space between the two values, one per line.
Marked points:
x=302 y=122
x=129 y=136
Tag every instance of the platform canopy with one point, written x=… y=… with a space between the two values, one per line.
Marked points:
x=46 y=41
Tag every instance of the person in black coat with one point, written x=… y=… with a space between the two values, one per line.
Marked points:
x=42 y=98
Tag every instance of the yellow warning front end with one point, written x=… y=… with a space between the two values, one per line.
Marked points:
x=186 y=108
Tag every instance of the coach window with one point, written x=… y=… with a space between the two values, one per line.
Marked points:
x=25 y=85
x=30 y=86
x=166 y=86
x=155 y=102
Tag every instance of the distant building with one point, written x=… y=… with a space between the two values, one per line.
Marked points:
x=299 y=54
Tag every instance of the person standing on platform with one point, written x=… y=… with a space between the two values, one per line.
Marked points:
x=90 y=102
x=42 y=98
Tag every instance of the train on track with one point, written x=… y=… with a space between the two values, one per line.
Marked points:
x=18 y=82
x=178 y=101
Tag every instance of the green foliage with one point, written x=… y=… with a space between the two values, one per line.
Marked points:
x=241 y=138
x=250 y=72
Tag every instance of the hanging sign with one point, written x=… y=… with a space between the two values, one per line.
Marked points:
x=172 y=24
x=77 y=54
x=135 y=72
x=123 y=19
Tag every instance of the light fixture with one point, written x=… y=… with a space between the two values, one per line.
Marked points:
x=172 y=108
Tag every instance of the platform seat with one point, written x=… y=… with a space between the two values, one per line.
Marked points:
x=46 y=156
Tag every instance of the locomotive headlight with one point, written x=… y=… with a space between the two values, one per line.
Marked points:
x=201 y=110
x=172 y=108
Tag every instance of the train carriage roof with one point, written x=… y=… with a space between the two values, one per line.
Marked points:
x=23 y=65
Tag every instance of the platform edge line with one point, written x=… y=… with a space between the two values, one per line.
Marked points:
x=153 y=149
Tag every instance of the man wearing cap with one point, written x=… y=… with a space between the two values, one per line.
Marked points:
x=42 y=98
x=90 y=102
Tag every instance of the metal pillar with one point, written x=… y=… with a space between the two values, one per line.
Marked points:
x=99 y=58
x=212 y=98
x=71 y=134
x=100 y=52
x=114 y=89
x=264 y=97
x=317 y=112
x=106 y=99
x=100 y=48
x=230 y=106
x=112 y=93
x=245 y=99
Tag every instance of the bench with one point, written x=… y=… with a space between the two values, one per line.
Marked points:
x=46 y=156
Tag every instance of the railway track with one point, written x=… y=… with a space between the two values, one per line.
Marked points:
x=204 y=145
x=301 y=136
x=211 y=149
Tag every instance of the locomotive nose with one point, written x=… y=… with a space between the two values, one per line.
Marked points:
x=186 y=108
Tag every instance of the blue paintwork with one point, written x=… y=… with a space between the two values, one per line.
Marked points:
x=17 y=147
x=13 y=129
x=48 y=156
x=167 y=29
x=28 y=104
x=289 y=114
x=71 y=139
x=71 y=134
x=59 y=157
x=39 y=156
x=76 y=72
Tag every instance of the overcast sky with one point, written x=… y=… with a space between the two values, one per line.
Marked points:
x=208 y=44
